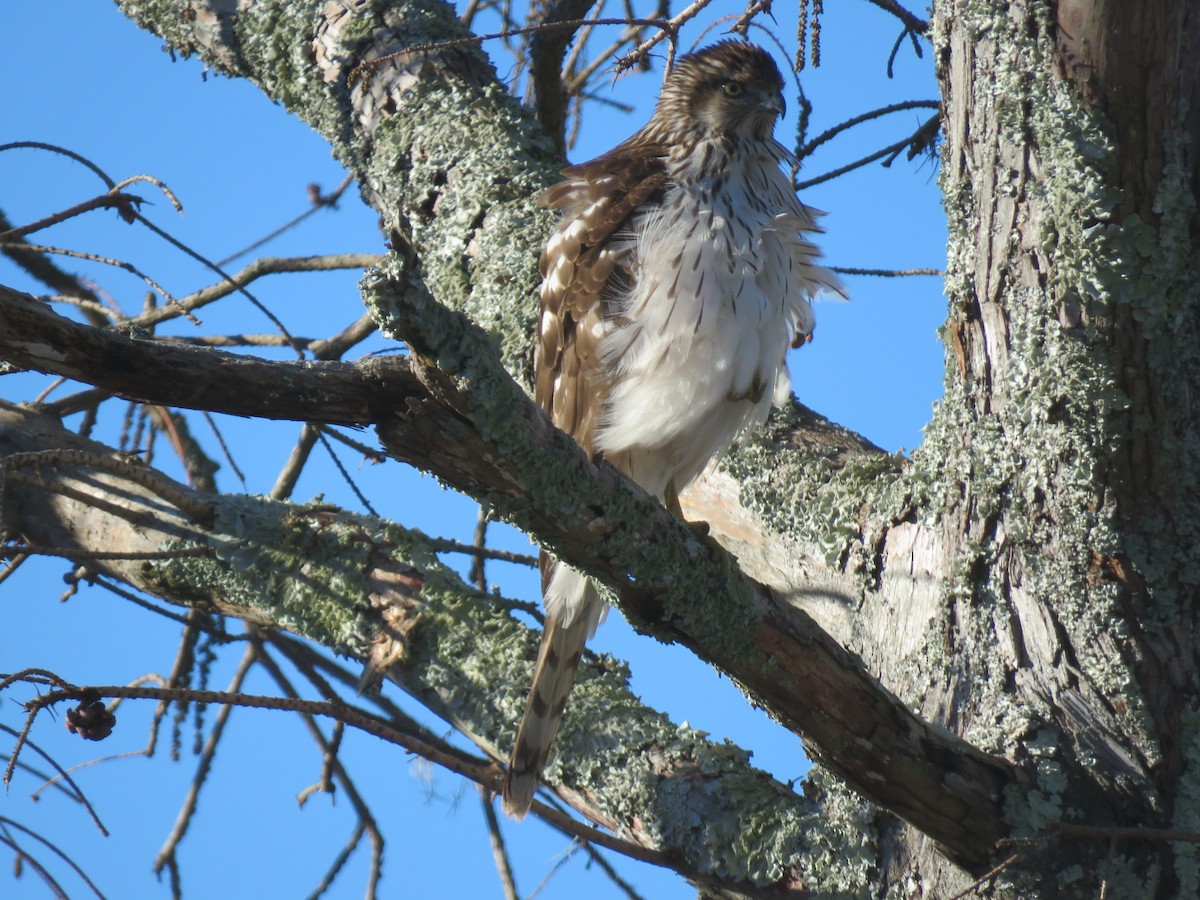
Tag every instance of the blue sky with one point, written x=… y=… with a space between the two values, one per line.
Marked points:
x=240 y=165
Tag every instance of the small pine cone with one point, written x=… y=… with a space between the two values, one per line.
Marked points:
x=91 y=719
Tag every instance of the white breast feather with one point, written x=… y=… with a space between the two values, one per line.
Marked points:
x=722 y=279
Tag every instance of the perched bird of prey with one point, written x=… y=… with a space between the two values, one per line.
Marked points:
x=676 y=280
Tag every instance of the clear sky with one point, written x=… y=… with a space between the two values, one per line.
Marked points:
x=83 y=77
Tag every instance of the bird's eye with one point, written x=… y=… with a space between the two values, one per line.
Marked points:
x=733 y=89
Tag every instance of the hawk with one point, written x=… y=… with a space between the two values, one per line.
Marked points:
x=677 y=277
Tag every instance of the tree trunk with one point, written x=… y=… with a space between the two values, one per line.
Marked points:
x=1038 y=598
x=1024 y=584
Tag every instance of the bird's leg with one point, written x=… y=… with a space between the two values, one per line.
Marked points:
x=671 y=502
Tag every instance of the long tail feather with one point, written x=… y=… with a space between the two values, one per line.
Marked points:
x=558 y=661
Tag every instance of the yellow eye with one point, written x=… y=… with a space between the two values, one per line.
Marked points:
x=733 y=89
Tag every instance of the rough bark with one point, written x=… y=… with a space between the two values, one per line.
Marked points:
x=1025 y=583
x=367 y=588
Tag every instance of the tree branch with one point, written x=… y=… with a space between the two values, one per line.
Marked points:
x=33 y=336
x=355 y=583
x=488 y=439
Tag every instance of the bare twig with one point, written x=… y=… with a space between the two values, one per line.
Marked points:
x=198 y=510
x=884 y=273
x=598 y=858
x=986 y=876
x=496 y=840
x=833 y=132
x=339 y=861
x=911 y=21
x=445 y=545
x=286 y=482
x=16 y=550
x=23 y=742
x=354 y=333
x=138 y=601
x=369 y=453
x=440 y=753
x=123 y=203
x=331 y=768
x=92 y=257
x=183 y=820
x=225 y=451
x=742 y=25
x=53 y=848
x=255 y=270
x=917 y=138
x=345 y=473
x=62 y=151
x=25 y=859
x=13 y=565
x=319 y=201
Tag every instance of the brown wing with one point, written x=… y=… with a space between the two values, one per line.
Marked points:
x=582 y=268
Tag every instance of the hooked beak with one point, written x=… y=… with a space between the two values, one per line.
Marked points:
x=775 y=103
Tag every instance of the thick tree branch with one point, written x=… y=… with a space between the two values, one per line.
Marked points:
x=546 y=51
x=372 y=590
x=480 y=432
x=33 y=336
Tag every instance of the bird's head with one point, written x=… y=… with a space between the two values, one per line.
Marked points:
x=731 y=88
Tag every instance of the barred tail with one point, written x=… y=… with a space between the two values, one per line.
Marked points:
x=558 y=660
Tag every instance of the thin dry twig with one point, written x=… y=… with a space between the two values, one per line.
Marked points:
x=53 y=848
x=440 y=753
x=339 y=861
x=166 y=855
x=446 y=545
x=986 y=876
x=833 y=132
x=332 y=769
x=345 y=473
x=885 y=273
x=496 y=841
x=918 y=138
x=200 y=511
x=62 y=151
x=595 y=856
x=114 y=199
x=92 y=257
x=150 y=179
x=369 y=453
x=354 y=333
x=18 y=550
x=285 y=483
x=236 y=282
x=319 y=201
x=25 y=859
x=23 y=742
x=910 y=20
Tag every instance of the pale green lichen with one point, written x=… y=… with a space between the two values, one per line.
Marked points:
x=465 y=188
x=813 y=497
x=1027 y=468
x=308 y=569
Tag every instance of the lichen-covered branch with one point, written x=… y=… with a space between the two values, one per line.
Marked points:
x=372 y=590
x=480 y=432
